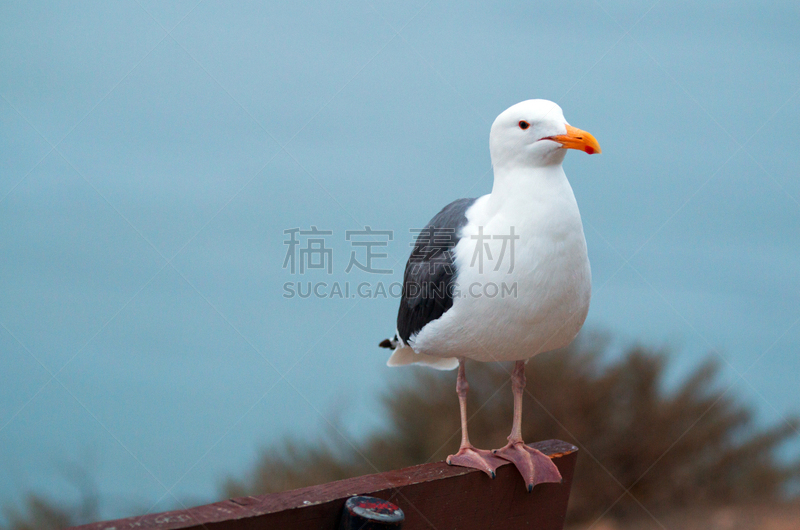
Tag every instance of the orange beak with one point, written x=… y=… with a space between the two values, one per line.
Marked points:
x=577 y=139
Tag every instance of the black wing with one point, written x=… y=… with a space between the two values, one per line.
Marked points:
x=430 y=271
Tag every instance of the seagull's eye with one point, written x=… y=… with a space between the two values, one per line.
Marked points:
x=524 y=124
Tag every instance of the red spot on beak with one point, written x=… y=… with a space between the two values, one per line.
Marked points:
x=589 y=150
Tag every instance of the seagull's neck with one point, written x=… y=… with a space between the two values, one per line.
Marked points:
x=527 y=186
x=536 y=201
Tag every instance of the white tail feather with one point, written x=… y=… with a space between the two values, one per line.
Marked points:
x=405 y=355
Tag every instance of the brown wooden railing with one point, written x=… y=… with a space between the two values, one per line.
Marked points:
x=434 y=496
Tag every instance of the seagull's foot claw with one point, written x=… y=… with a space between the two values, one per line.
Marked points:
x=534 y=466
x=477 y=459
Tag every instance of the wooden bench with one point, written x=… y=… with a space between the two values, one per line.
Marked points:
x=434 y=496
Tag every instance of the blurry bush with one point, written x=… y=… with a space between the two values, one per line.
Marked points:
x=694 y=445
x=44 y=514
x=40 y=513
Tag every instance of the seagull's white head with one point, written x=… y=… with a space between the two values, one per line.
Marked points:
x=534 y=133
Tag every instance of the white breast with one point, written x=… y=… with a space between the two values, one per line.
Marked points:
x=539 y=305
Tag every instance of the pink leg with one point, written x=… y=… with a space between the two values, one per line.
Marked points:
x=467 y=455
x=534 y=466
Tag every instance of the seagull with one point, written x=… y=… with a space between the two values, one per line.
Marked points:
x=502 y=277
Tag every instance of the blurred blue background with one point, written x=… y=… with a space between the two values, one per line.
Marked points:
x=152 y=154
